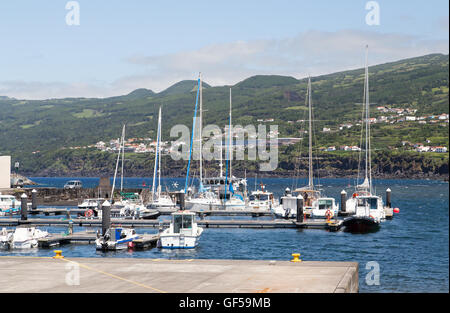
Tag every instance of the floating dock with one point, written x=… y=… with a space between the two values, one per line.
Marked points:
x=332 y=225
x=145 y=241
x=49 y=275
x=76 y=211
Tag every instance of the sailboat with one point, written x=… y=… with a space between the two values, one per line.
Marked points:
x=315 y=204
x=367 y=207
x=158 y=200
x=220 y=192
x=130 y=204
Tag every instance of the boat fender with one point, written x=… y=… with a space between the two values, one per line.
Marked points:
x=396 y=210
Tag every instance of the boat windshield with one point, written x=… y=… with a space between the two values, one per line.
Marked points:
x=181 y=221
x=325 y=204
x=370 y=202
x=251 y=198
x=263 y=197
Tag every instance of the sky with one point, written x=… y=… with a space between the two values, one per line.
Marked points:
x=120 y=46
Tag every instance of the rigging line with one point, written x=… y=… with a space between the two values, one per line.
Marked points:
x=192 y=138
x=300 y=149
x=361 y=136
x=315 y=141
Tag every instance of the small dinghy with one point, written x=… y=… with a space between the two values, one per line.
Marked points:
x=116 y=238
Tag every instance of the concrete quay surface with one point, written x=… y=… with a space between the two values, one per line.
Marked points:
x=113 y=275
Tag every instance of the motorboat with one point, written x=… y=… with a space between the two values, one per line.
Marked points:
x=183 y=232
x=93 y=204
x=262 y=200
x=287 y=207
x=9 y=204
x=326 y=207
x=369 y=213
x=116 y=238
x=26 y=237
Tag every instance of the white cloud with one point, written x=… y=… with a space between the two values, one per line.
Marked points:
x=312 y=52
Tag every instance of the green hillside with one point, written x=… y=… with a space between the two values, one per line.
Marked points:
x=420 y=83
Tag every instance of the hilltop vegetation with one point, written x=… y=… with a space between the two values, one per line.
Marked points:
x=47 y=126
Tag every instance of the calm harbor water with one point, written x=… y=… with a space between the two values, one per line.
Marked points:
x=411 y=250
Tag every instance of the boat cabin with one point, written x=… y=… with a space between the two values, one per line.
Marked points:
x=183 y=222
x=368 y=201
x=117 y=233
x=326 y=204
x=260 y=196
x=8 y=201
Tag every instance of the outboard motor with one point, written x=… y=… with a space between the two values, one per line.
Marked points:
x=289 y=204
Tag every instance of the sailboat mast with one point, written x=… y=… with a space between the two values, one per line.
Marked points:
x=220 y=164
x=159 y=154
x=117 y=165
x=310 y=184
x=123 y=157
x=192 y=138
x=200 y=129
x=367 y=116
x=156 y=157
x=231 y=141
x=369 y=161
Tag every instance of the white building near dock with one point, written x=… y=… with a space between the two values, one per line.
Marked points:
x=5 y=172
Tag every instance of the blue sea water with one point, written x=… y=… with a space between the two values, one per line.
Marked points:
x=412 y=250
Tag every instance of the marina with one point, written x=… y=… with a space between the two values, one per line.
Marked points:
x=268 y=238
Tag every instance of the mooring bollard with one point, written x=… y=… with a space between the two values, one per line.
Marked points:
x=343 y=201
x=106 y=216
x=33 y=199
x=388 y=197
x=23 y=207
x=296 y=257
x=299 y=208
x=181 y=195
x=58 y=254
x=70 y=227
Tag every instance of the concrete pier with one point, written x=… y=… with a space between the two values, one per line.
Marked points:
x=32 y=274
